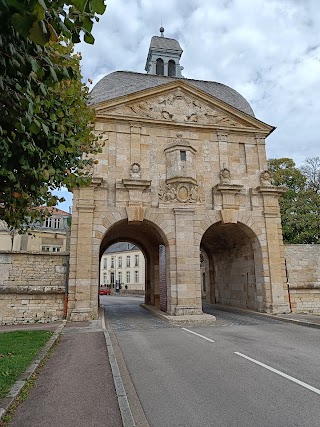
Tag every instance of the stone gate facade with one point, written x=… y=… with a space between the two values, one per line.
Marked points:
x=183 y=175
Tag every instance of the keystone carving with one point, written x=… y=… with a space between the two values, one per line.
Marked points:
x=181 y=192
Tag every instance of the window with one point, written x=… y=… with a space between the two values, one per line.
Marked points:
x=105 y=263
x=112 y=278
x=120 y=262
x=183 y=155
x=159 y=67
x=112 y=262
x=128 y=276
x=51 y=248
x=105 y=278
x=53 y=222
x=136 y=276
x=136 y=260
x=120 y=276
x=171 y=68
x=128 y=261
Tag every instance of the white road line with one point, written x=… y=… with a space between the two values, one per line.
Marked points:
x=309 y=387
x=191 y=332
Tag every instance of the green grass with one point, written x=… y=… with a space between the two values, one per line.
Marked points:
x=17 y=350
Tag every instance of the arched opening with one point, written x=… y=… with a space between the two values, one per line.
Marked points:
x=122 y=268
x=231 y=266
x=160 y=67
x=144 y=238
x=171 y=68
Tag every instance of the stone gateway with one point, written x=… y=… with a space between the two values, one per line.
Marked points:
x=183 y=175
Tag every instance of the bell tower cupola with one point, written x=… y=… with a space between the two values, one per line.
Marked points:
x=163 y=56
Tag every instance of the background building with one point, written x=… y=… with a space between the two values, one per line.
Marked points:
x=52 y=235
x=124 y=262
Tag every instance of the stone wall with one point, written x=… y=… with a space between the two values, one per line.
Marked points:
x=32 y=286
x=303 y=271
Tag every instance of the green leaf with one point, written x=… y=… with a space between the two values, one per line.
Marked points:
x=53 y=73
x=87 y=24
x=98 y=6
x=80 y=4
x=88 y=38
x=34 y=64
x=22 y=23
x=37 y=35
x=43 y=4
x=45 y=128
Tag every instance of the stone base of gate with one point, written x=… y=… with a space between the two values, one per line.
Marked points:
x=82 y=314
x=182 y=318
x=181 y=310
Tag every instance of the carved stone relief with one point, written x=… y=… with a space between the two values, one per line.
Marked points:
x=176 y=107
x=265 y=179
x=181 y=192
x=225 y=176
x=135 y=170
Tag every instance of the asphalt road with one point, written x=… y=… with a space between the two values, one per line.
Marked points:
x=244 y=370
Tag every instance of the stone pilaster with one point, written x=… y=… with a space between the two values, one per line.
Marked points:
x=277 y=287
x=223 y=148
x=261 y=148
x=84 y=306
x=135 y=143
x=187 y=265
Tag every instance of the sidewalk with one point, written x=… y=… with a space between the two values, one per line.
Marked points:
x=75 y=387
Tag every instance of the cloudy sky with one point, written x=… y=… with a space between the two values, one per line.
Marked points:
x=268 y=50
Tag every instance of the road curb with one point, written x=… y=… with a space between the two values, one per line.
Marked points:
x=270 y=316
x=15 y=390
x=125 y=410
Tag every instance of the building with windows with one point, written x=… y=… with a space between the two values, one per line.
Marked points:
x=123 y=263
x=52 y=235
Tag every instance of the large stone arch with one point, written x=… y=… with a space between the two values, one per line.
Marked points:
x=231 y=266
x=149 y=237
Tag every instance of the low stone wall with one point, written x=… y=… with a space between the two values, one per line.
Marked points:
x=32 y=286
x=303 y=272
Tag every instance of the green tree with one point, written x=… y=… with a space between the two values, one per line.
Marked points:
x=299 y=206
x=45 y=138
x=311 y=170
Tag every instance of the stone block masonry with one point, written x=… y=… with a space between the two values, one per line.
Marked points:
x=303 y=274
x=32 y=287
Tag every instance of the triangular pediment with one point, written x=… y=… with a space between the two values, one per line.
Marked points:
x=179 y=103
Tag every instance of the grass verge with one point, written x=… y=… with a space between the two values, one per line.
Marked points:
x=17 y=350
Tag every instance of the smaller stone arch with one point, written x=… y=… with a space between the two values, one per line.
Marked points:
x=171 y=68
x=151 y=239
x=160 y=67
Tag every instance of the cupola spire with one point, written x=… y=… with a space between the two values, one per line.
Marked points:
x=164 y=56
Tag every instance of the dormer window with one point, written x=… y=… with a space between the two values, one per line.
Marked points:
x=160 y=67
x=171 y=68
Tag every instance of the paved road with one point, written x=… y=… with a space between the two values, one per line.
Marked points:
x=242 y=371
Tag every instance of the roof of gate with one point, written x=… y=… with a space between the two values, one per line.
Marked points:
x=121 y=83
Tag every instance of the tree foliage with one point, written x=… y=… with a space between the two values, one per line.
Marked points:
x=300 y=205
x=45 y=140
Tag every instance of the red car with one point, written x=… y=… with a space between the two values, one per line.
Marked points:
x=104 y=291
